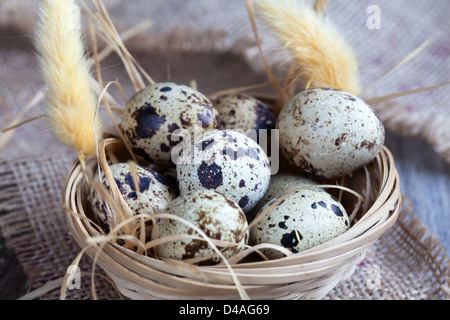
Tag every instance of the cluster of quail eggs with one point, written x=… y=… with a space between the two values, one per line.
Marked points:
x=198 y=166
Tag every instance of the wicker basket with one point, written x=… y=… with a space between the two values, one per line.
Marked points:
x=310 y=274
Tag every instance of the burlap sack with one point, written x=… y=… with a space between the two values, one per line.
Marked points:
x=211 y=42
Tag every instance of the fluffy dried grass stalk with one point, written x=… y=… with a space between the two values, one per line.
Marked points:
x=10 y=126
x=319 y=52
x=71 y=103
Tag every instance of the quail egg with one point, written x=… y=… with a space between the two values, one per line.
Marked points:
x=243 y=112
x=279 y=185
x=153 y=194
x=215 y=215
x=329 y=133
x=228 y=162
x=304 y=219
x=154 y=113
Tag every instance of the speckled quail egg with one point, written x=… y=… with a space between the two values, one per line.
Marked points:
x=155 y=192
x=304 y=219
x=154 y=113
x=279 y=185
x=329 y=133
x=243 y=112
x=228 y=162
x=214 y=214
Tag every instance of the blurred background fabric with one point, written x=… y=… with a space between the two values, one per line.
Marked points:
x=212 y=43
x=201 y=28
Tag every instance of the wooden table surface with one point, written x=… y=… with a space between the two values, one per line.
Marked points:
x=425 y=180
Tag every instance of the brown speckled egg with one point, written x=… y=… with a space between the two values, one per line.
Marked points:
x=329 y=133
x=279 y=185
x=243 y=112
x=154 y=113
x=304 y=219
x=228 y=162
x=155 y=192
x=214 y=214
